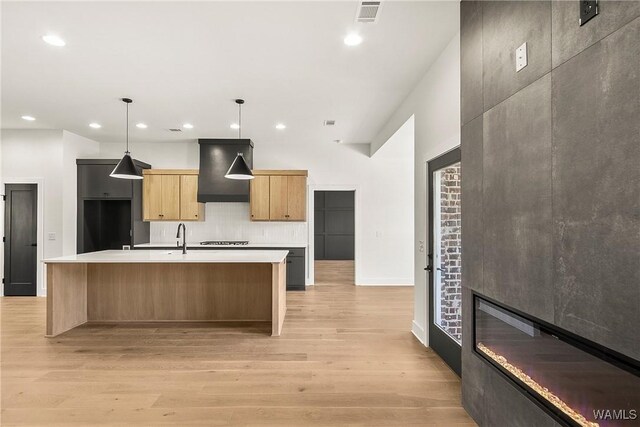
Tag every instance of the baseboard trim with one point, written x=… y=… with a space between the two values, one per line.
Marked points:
x=418 y=332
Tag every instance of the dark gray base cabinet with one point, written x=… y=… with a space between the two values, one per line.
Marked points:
x=296 y=270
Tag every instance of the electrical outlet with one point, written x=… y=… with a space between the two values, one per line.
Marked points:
x=51 y=236
x=588 y=10
x=521 y=57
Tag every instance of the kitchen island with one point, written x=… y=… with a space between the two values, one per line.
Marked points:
x=161 y=286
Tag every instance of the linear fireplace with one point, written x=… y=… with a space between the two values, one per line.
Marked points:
x=578 y=382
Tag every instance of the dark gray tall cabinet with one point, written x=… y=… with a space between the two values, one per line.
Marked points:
x=109 y=209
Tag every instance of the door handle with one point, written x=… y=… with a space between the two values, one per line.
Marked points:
x=34 y=244
x=428 y=268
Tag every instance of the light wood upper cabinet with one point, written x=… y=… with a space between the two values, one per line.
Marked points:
x=278 y=198
x=279 y=195
x=171 y=195
x=152 y=197
x=297 y=198
x=190 y=209
x=260 y=198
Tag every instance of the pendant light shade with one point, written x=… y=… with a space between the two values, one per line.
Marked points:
x=239 y=168
x=126 y=169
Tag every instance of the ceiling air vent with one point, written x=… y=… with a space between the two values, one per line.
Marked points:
x=329 y=122
x=368 y=11
x=175 y=130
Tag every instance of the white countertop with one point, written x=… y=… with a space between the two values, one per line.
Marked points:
x=198 y=245
x=173 y=256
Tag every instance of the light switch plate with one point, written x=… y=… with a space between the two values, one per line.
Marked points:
x=521 y=57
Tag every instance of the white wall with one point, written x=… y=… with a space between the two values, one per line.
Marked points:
x=47 y=157
x=383 y=186
x=435 y=105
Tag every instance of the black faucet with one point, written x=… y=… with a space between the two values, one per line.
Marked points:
x=184 y=237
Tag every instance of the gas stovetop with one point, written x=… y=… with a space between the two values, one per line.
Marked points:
x=224 y=242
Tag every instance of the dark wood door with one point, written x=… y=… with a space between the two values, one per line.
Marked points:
x=20 y=239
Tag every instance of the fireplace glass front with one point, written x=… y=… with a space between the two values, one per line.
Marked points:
x=576 y=381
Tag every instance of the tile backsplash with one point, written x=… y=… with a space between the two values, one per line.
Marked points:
x=230 y=221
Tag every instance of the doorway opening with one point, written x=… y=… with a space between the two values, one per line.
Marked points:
x=444 y=261
x=20 y=240
x=334 y=237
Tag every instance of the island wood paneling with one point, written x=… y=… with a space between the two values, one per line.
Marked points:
x=279 y=297
x=179 y=292
x=66 y=297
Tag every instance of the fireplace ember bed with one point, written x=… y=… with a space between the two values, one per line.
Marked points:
x=576 y=381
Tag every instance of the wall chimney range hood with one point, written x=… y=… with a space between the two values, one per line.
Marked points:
x=215 y=157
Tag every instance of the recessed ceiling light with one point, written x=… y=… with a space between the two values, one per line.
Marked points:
x=337 y=141
x=53 y=40
x=95 y=125
x=329 y=122
x=353 y=39
x=28 y=118
x=141 y=126
x=234 y=126
x=187 y=126
x=281 y=126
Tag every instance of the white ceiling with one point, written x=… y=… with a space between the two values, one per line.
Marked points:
x=186 y=62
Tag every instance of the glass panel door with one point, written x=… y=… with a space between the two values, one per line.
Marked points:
x=444 y=262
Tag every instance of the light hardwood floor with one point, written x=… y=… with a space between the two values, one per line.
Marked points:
x=346 y=358
x=334 y=272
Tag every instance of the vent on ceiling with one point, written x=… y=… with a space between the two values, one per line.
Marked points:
x=175 y=130
x=368 y=11
x=329 y=122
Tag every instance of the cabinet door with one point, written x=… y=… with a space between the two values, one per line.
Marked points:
x=170 y=197
x=189 y=206
x=259 y=198
x=295 y=273
x=152 y=197
x=296 y=198
x=278 y=204
x=94 y=182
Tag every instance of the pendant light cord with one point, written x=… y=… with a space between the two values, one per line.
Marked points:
x=127 y=128
x=239 y=121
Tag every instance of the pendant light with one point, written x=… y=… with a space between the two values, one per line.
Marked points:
x=239 y=168
x=125 y=168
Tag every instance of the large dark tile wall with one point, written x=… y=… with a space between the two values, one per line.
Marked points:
x=551 y=179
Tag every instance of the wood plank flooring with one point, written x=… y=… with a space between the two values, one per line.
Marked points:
x=345 y=358
x=334 y=272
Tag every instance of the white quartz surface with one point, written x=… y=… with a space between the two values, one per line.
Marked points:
x=198 y=245
x=173 y=256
